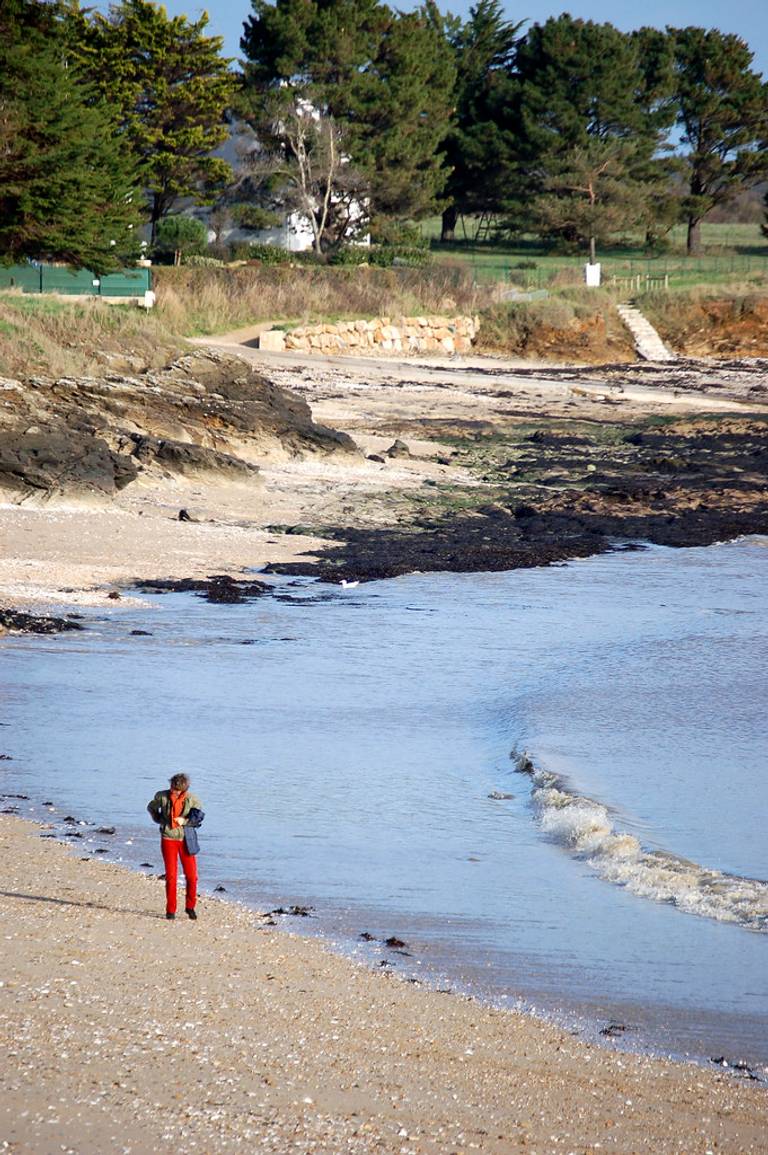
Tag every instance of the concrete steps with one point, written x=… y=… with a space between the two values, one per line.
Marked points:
x=648 y=343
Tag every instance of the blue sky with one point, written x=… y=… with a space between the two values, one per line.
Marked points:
x=747 y=18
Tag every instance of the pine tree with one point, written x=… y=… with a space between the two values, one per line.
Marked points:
x=378 y=83
x=581 y=91
x=67 y=190
x=172 y=88
x=723 y=114
x=480 y=146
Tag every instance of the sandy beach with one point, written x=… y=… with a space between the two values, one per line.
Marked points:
x=122 y=1032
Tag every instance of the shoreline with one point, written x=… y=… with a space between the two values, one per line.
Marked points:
x=282 y=1040
x=648 y=1040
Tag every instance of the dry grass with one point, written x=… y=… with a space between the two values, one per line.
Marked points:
x=517 y=328
x=53 y=337
x=701 y=322
x=201 y=301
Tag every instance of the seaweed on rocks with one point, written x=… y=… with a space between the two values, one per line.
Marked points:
x=219 y=588
x=16 y=621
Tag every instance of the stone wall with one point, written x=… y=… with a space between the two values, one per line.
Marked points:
x=442 y=335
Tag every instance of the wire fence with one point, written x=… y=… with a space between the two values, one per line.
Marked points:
x=668 y=272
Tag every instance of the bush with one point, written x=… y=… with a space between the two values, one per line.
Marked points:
x=179 y=237
x=398 y=235
x=198 y=261
x=264 y=254
x=351 y=255
x=385 y=256
x=270 y=254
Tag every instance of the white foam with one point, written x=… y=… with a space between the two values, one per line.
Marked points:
x=585 y=827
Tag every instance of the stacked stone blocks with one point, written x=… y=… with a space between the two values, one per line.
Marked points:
x=410 y=335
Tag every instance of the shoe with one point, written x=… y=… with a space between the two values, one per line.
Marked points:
x=191 y=912
x=169 y=915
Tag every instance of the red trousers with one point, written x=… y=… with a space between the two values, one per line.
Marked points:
x=173 y=850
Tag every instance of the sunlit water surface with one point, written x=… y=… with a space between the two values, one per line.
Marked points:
x=345 y=744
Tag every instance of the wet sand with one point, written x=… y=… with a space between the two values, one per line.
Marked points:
x=123 y=1032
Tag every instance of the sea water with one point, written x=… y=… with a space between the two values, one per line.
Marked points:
x=551 y=783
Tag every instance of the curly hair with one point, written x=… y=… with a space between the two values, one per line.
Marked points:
x=180 y=782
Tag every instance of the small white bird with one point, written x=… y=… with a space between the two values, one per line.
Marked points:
x=345 y=585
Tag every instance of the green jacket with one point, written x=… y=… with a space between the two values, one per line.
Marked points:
x=160 y=810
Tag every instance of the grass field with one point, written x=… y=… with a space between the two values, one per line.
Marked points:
x=732 y=253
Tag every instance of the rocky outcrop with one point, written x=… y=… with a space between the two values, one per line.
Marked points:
x=205 y=415
x=409 y=335
x=58 y=460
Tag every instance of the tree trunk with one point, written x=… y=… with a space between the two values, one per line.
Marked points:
x=592 y=253
x=448 y=228
x=694 y=237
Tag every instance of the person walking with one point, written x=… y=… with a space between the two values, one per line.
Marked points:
x=178 y=812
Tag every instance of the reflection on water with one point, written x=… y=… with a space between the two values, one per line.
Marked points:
x=346 y=743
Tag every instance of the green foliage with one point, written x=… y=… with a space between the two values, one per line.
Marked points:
x=266 y=254
x=180 y=237
x=353 y=101
x=350 y=256
x=200 y=261
x=722 y=110
x=594 y=109
x=400 y=234
x=481 y=143
x=587 y=195
x=66 y=186
x=170 y=87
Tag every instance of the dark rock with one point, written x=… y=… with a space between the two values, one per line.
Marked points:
x=188 y=459
x=141 y=634
x=6 y=758
x=114 y=595
x=220 y=889
x=366 y=937
x=56 y=461
x=375 y=457
x=106 y=830
x=220 y=588
x=398 y=449
x=147 y=865
x=394 y=942
x=184 y=515
x=23 y=623
x=611 y=1030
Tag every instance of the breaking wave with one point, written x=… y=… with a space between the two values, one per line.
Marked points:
x=585 y=827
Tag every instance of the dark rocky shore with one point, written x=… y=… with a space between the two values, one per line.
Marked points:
x=564 y=490
x=501 y=540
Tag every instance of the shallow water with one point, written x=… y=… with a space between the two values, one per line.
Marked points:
x=345 y=744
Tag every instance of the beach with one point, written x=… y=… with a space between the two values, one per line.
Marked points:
x=125 y=1033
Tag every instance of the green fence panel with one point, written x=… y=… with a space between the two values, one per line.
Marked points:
x=75 y=282
x=69 y=281
x=24 y=277
x=127 y=283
